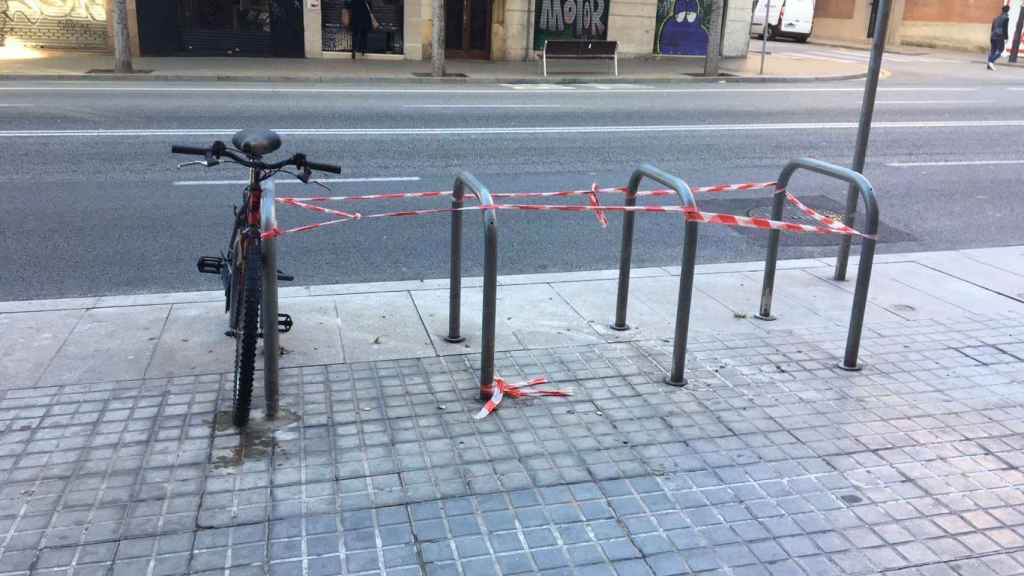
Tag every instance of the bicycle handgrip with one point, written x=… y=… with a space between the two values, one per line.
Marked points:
x=189 y=150
x=324 y=167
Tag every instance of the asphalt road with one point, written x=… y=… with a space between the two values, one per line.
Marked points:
x=92 y=203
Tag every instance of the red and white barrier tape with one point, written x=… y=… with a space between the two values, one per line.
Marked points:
x=563 y=193
x=830 y=222
x=690 y=214
x=501 y=389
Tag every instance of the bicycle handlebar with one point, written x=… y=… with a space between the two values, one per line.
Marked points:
x=218 y=149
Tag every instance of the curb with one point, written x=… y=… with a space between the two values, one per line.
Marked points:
x=901 y=50
x=421 y=80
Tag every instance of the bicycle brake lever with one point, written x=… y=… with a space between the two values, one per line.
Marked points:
x=305 y=175
x=205 y=163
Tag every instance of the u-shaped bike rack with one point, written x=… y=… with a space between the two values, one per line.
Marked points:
x=483 y=195
x=676 y=378
x=867 y=251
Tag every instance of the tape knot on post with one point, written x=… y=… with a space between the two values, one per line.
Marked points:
x=500 y=389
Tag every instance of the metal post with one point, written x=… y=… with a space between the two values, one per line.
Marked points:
x=455 y=273
x=625 y=258
x=682 y=330
x=271 y=344
x=867 y=110
x=764 y=34
x=768 y=287
x=1015 y=47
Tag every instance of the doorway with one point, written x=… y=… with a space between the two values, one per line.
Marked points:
x=467 y=29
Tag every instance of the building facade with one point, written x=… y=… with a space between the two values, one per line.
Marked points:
x=958 y=24
x=478 y=29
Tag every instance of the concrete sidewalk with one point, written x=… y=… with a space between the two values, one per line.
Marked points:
x=117 y=455
x=42 y=64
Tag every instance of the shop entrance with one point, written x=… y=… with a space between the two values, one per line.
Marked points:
x=221 y=27
x=467 y=29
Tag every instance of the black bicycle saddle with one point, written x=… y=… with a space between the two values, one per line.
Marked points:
x=256 y=142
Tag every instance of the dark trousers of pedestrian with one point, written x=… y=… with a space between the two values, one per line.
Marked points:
x=998 y=44
x=359 y=35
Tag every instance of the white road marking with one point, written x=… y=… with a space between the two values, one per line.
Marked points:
x=481 y=106
x=934 y=101
x=483 y=91
x=517 y=129
x=954 y=163
x=529 y=87
x=292 y=181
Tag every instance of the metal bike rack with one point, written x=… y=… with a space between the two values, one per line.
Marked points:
x=462 y=181
x=676 y=378
x=271 y=342
x=867 y=251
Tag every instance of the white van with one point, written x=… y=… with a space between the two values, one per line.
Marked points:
x=789 y=18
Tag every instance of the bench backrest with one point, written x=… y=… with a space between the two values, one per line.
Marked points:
x=580 y=47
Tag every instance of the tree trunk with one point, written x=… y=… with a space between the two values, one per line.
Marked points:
x=122 y=51
x=437 y=49
x=711 y=59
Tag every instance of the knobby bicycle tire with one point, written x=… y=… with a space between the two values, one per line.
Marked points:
x=247 y=330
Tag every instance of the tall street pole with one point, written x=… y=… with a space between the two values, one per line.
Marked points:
x=437 y=50
x=764 y=34
x=122 y=51
x=713 y=55
x=867 y=110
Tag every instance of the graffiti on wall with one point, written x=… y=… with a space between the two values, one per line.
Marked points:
x=682 y=27
x=65 y=23
x=570 y=20
x=36 y=10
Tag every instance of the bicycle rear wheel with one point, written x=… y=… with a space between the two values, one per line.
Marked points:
x=247 y=327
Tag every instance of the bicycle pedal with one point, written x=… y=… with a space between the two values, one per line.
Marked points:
x=282 y=277
x=284 y=323
x=210 y=264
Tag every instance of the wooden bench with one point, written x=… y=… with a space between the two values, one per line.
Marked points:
x=581 y=50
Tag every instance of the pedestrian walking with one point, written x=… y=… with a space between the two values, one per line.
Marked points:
x=1000 y=32
x=363 y=21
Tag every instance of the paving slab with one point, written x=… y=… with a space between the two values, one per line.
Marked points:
x=707 y=314
x=381 y=326
x=315 y=337
x=1009 y=258
x=433 y=308
x=905 y=301
x=194 y=342
x=999 y=275
x=950 y=289
x=44 y=305
x=595 y=302
x=108 y=344
x=29 y=340
x=740 y=293
x=540 y=318
x=830 y=300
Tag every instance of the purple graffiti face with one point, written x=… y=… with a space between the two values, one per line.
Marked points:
x=681 y=32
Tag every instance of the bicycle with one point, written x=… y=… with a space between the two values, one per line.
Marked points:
x=241 y=266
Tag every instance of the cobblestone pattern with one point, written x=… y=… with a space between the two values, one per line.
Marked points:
x=771 y=461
